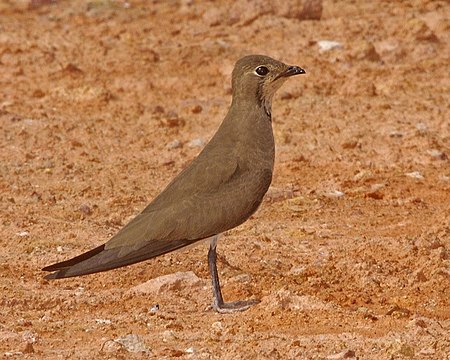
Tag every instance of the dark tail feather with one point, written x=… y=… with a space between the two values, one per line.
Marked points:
x=101 y=259
x=68 y=263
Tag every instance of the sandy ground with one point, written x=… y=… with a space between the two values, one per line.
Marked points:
x=103 y=102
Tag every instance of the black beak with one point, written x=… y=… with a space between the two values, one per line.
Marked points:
x=291 y=71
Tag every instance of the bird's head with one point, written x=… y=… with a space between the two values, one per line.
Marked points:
x=258 y=77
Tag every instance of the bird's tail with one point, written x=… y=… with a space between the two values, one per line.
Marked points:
x=64 y=265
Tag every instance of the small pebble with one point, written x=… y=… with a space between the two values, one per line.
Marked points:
x=175 y=144
x=197 y=109
x=427 y=352
x=335 y=194
x=396 y=134
x=85 y=209
x=415 y=175
x=168 y=336
x=196 y=143
x=217 y=325
x=13 y=353
x=28 y=348
x=437 y=154
x=422 y=128
x=326 y=45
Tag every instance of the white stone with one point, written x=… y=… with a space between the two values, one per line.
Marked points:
x=326 y=45
x=415 y=175
x=196 y=143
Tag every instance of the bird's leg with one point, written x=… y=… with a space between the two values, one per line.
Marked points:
x=218 y=304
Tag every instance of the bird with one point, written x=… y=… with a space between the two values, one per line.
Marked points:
x=218 y=191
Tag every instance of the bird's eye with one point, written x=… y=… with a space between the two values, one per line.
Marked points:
x=262 y=70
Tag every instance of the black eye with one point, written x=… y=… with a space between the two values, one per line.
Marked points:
x=262 y=70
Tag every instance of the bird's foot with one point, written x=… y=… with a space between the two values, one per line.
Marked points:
x=231 y=307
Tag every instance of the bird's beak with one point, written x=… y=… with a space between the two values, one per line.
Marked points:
x=291 y=71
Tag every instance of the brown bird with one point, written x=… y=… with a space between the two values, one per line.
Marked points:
x=218 y=191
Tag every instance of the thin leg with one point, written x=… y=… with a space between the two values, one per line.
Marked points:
x=218 y=304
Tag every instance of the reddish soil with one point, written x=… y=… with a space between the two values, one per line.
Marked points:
x=103 y=102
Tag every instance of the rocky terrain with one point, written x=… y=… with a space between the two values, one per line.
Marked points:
x=103 y=102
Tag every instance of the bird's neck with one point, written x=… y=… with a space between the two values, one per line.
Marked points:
x=261 y=101
x=253 y=132
x=253 y=109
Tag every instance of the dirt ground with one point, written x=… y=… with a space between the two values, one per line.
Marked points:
x=103 y=102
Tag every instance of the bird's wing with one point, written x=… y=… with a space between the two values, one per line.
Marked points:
x=199 y=215
x=193 y=218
